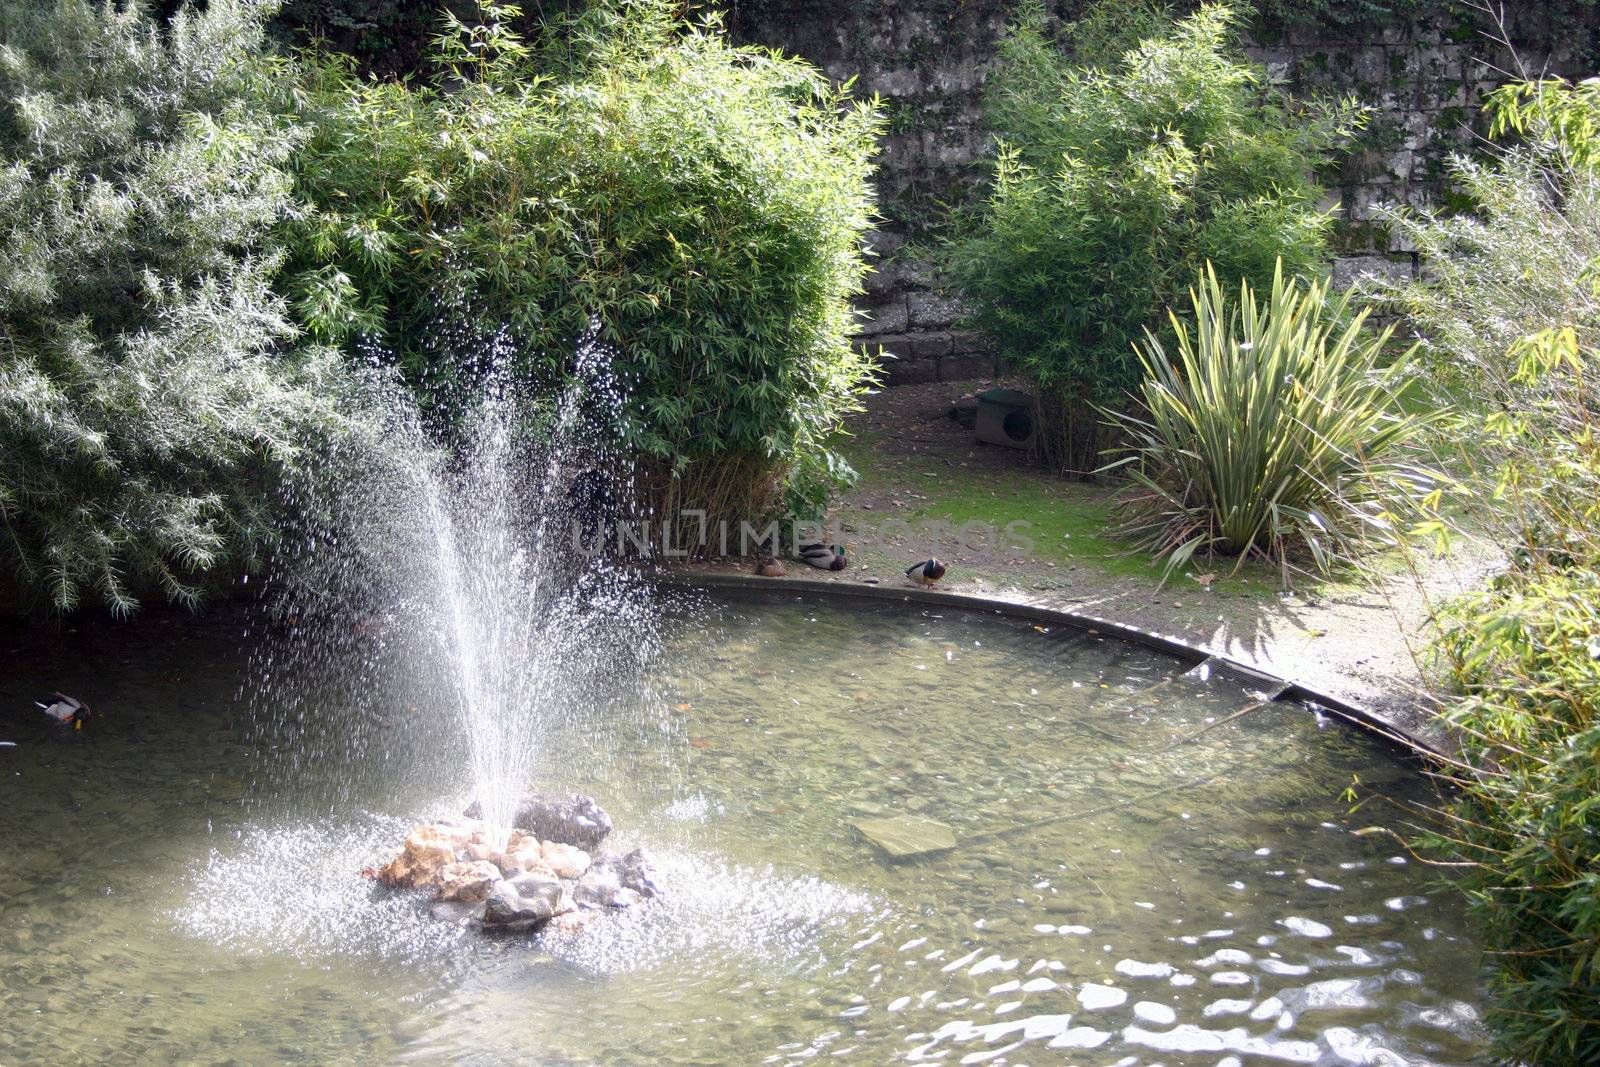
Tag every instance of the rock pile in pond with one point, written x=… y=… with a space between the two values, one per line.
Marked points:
x=548 y=870
x=573 y=819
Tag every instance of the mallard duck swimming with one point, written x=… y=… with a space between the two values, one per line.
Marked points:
x=65 y=710
x=824 y=557
x=927 y=572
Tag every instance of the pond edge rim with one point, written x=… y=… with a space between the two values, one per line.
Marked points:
x=1293 y=691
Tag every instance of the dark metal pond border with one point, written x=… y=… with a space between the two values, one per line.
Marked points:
x=1292 y=691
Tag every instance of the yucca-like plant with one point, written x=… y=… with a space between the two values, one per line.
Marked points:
x=1275 y=432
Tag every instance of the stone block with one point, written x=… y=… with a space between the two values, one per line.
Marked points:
x=904 y=836
x=931 y=311
x=897 y=274
x=953 y=149
x=968 y=342
x=1364 y=201
x=1348 y=270
x=911 y=372
x=883 y=279
x=897 y=364
x=901 y=82
x=887 y=318
x=930 y=345
x=883 y=242
x=1369 y=66
x=963 y=368
x=897 y=345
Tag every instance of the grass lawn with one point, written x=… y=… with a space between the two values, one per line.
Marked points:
x=1071 y=524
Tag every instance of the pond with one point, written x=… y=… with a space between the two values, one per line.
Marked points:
x=1137 y=877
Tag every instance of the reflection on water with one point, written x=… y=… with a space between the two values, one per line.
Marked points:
x=1138 y=881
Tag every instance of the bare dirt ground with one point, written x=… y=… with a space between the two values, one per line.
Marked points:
x=1357 y=638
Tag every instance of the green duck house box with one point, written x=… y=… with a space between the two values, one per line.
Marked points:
x=1005 y=417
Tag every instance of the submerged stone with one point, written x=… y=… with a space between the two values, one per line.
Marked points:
x=617 y=881
x=598 y=888
x=571 y=922
x=633 y=871
x=531 y=885
x=905 y=836
x=426 y=852
x=460 y=912
x=520 y=883
x=523 y=854
x=638 y=874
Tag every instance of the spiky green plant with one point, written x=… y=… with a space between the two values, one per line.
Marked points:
x=1274 y=432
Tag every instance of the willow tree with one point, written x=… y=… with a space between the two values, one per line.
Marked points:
x=147 y=390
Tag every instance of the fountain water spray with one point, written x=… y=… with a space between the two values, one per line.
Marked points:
x=438 y=605
x=439 y=572
x=530 y=626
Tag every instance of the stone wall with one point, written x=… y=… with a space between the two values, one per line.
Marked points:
x=927 y=59
x=1425 y=76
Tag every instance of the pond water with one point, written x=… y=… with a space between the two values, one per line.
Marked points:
x=180 y=883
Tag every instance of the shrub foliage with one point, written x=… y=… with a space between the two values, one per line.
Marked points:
x=145 y=394
x=1520 y=261
x=699 y=208
x=1115 y=182
x=1526 y=654
x=1512 y=317
x=191 y=228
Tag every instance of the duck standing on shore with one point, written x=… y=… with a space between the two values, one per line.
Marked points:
x=927 y=572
